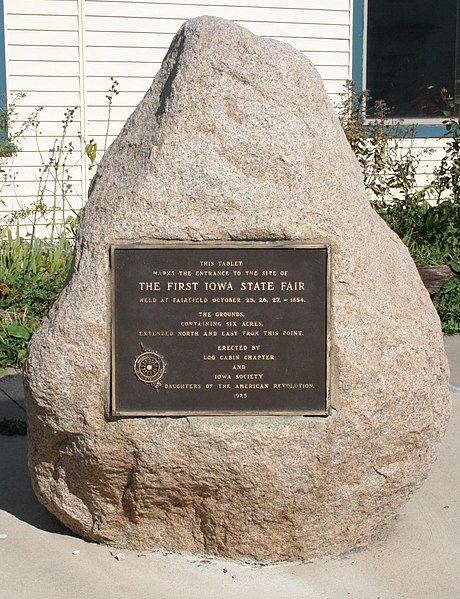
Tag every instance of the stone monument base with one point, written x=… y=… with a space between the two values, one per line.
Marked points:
x=236 y=140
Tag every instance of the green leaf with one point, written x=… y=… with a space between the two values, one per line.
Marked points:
x=16 y=330
x=91 y=150
x=455 y=266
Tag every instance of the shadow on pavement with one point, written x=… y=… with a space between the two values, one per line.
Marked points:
x=16 y=494
x=13 y=388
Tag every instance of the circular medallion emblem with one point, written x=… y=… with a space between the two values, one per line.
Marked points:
x=149 y=367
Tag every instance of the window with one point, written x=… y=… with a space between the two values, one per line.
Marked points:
x=406 y=53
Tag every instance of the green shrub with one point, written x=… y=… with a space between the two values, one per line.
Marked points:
x=447 y=302
x=31 y=277
x=430 y=231
x=426 y=218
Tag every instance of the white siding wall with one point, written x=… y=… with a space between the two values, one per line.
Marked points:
x=62 y=53
x=42 y=55
x=128 y=40
x=431 y=151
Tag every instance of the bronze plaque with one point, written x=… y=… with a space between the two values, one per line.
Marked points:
x=215 y=329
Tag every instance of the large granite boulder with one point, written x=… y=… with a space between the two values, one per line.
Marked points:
x=237 y=140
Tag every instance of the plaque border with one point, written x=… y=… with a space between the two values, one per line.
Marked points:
x=175 y=244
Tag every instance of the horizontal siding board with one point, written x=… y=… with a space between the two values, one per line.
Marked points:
x=43 y=23
x=99 y=140
x=72 y=199
x=46 y=144
x=334 y=87
x=24 y=51
x=428 y=143
x=28 y=164
x=312 y=44
x=29 y=196
x=53 y=129
x=43 y=98
x=335 y=72
x=170 y=26
x=118 y=113
x=121 y=71
x=329 y=58
x=42 y=146
x=21 y=68
x=122 y=55
x=44 y=81
x=97 y=130
x=34 y=186
x=33 y=190
x=133 y=84
x=40 y=38
x=320 y=30
x=127 y=39
x=32 y=172
x=334 y=97
x=36 y=153
x=236 y=4
x=130 y=10
x=42 y=7
x=127 y=99
x=47 y=115
x=29 y=192
x=434 y=158
x=101 y=24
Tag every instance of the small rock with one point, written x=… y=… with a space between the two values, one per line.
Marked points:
x=224 y=570
x=120 y=556
x=3 y=536
x=76 y=552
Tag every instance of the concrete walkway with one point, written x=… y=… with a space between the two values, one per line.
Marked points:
x=416 y=557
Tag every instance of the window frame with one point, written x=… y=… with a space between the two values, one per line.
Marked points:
x=424 y=127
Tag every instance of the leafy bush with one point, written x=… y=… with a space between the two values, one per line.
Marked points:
x=427 y=218
x=383 y=147
x=430 y=231
x=31 y=277
x=447 y=303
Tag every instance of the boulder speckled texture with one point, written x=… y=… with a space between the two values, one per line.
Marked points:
x=236 y=140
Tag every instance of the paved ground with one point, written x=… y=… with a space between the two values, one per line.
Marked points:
x=417 y=556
